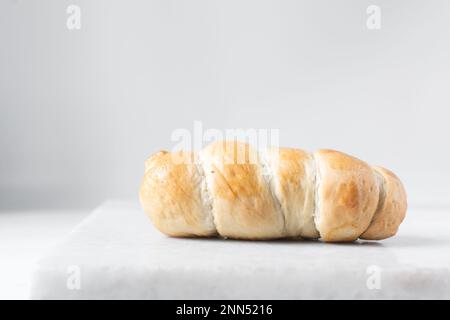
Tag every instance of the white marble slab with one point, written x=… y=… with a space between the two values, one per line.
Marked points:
x=25 y=236
x=116 y=253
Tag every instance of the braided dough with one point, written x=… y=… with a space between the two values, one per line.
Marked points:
x=230 y=189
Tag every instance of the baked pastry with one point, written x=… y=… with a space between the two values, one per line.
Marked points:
x=232 y=190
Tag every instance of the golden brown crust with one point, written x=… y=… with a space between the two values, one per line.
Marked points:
x=243 y=206
x=294 y=188
x=391 y=209
x=347 y=196
x=237 y=192
x=171 y=195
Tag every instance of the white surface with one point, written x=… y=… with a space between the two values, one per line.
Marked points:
x=120 y=255
x=24 y=237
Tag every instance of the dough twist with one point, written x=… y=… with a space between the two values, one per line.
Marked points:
x=230 y=189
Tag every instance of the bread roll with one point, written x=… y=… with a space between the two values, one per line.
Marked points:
x=232 y=190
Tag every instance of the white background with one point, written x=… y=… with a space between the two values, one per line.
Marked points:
x=82 y=109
